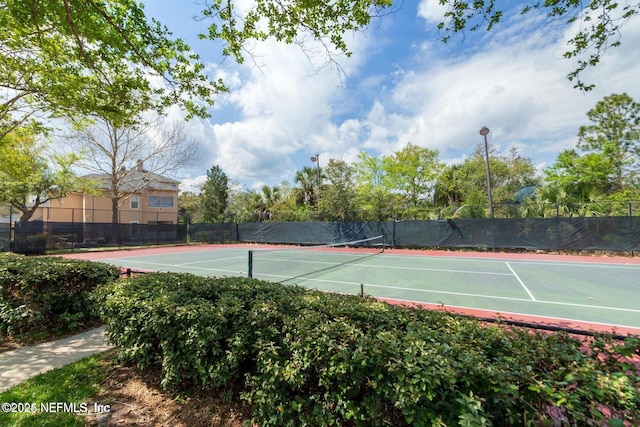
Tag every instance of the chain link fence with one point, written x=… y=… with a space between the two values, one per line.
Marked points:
x=611 y=226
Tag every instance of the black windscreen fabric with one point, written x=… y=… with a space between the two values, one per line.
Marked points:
x=609 y=233
x=213 y=233
x=596 y=233
x=606 y=233
x=313 y=233
x=5 y=237
x=587 y=233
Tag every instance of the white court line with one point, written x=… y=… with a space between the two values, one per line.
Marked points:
x=174 y=266
x=568 y=304
x=339 y=282
x=211 y=260
x=439 y=269
x=581 y=264
x=521 y=282
x=554 y=262
x=514 y=313
x=388 y=267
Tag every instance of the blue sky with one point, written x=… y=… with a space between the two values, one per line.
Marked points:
x=402 y=84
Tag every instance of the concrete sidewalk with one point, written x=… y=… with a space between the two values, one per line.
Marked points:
x=21 y=364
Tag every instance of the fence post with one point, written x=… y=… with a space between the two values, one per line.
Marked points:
x=630 y=234
x=393 y=241
x=73 y=220
x=12 y=235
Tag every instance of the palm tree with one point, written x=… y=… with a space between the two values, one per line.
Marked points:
x=307 y=190
x=270 y=196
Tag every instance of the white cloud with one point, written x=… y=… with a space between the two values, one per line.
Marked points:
x=515 y=85
x=285 y=107
x=513 y=82
x=432 y=11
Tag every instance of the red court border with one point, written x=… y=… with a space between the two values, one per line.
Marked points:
x=534 y=320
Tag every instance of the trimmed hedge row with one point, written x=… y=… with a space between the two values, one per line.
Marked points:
x=48 y=292
x=303 y=357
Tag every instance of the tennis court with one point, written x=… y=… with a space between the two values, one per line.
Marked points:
x=585 y=292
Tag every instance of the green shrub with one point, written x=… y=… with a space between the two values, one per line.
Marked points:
x=48 y=292
x=303 y=357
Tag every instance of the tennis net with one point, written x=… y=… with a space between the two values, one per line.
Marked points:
x=281 y=265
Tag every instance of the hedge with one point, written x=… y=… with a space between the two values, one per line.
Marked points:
x=48 y=292
x=303 y=357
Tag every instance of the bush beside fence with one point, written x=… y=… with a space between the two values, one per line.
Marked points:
x=50 y=292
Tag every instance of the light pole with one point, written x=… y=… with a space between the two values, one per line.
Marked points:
x=484 y=132
x=316 y=159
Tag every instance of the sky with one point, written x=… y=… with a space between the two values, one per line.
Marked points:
x=402 y=84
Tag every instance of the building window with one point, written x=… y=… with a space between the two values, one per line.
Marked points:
x=135 y=201
x=160 y=202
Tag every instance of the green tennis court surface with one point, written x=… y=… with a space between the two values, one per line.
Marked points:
x=593 y=292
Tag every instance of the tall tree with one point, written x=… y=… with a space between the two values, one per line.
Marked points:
x=615 y=134
x=270 y=196
x=446 y=191
x=580 y=177
x=27 y=179
x=338 y=197
x=189 y=207
x=309 y=182
x=466 y=183
x=412 y=172
x=129 y=158
x=609 y=158
x=215 y=195
x=373 y=189
x=67 y=58
x=243 y=203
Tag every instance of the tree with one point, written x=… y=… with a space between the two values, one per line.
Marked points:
x=373 y=189
x=338 y=197
x=129 y=158
x=189 y=207
x=66 y=58
x=290 y=22
x=581 y=177
x=270 y=196
x=26 y=178
x=215 y=195
x=308 y=180
x=446 y=191
x=610 y=158
x=615 y=134
x=412 y=172
x=243 y=203
x=466 y=183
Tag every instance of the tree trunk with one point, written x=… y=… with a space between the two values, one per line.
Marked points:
x=27 y=212
x=115 y=222
x=26 y=215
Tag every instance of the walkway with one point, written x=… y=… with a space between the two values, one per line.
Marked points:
x=21 y=364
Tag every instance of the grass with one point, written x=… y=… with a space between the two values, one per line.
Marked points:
x=134 y=396
x=72 y=384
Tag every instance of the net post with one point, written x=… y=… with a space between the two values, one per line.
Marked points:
x=250 y=265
